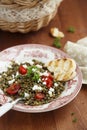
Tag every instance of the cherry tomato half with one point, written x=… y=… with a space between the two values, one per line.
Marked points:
x=39 y=95
x=13 y=89
x=48 y=79
x=49 y=83
x=22 y=70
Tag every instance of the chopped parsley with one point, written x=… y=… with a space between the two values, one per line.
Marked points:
x=74 y=120
x=57 y=42
x=72 y=113
x=33 y=72
x=36 y=77
x=71 y=29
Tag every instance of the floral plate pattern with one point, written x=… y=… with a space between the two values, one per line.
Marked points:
x=43 y=53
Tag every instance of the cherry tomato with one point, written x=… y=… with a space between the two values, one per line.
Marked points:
x=48 y=79
x=50 y=76
x=49 y=83
x=22 y=70
x=13 y=89
x=39 y=95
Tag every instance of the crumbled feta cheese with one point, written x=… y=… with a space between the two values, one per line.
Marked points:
x=13 y=76
x=33 y=70
x=40 y=88
x=26 y=94
x=39 y=66
x=5 y=74
x=39 y=80
x=45 y=73
x=51 y=89
x=36 y=87
x=31 y=62
x=55 y=84
x=11 y=81
x=25 y=66
x=44 y=83
x=17 y=73
x=50 y=93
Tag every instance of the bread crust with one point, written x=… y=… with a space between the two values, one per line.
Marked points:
x=63 y=69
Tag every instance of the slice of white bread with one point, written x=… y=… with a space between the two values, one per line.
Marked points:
x=63 y=69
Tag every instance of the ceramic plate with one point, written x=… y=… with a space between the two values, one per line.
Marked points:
x=27 y=52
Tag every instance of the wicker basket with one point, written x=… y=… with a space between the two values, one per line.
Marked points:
x=21 y=17
x=29 y=3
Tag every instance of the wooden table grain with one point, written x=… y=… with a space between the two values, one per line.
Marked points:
x=73 y=116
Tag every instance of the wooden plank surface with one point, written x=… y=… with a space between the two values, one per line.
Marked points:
x=70 y=13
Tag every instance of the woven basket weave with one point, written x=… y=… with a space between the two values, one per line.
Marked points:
x=19 y=16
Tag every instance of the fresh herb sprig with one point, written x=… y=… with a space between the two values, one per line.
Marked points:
x=33 y=73
x=57 y=43
x=74 y=120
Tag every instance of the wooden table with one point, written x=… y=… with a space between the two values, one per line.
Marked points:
x=71 y=13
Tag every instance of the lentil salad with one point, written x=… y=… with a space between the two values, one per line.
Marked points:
x=33 y=82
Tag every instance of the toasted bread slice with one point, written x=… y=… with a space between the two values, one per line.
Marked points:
x=63 y=69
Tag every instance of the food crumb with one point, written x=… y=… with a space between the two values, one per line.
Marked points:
x=74 y=120
x=56 y=33
x=72 y=113
x=71 y=29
